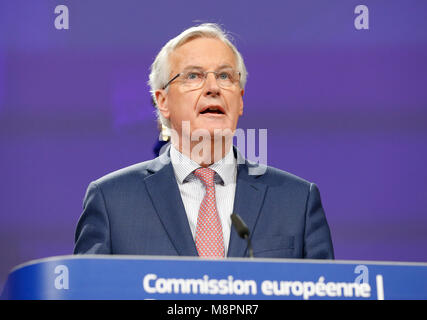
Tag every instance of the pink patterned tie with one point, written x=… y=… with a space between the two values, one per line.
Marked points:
x=209 y=240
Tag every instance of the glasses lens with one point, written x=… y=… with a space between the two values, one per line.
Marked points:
x=192 y=79
x=226 y=78
x=195 y=79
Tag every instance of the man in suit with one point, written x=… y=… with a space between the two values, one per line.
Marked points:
x=180 y=202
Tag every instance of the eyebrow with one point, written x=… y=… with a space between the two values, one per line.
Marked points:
x=192 y=67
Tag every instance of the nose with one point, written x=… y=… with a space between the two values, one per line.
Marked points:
x=211 y=85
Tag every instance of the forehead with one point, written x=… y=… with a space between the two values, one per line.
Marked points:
x=207 y=53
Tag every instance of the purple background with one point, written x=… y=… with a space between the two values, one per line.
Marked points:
x=346 y=109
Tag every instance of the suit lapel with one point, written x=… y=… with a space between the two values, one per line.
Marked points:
x=248 y=201
x=164 y=193
x=167 y=201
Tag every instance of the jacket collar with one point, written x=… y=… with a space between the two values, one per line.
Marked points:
x=164 y=192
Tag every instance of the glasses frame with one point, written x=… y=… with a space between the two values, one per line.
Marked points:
x=205 y=76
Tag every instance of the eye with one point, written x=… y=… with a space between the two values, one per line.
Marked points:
x=193 y=75
x=225 y=76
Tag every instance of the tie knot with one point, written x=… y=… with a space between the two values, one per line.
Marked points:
x=206 y=175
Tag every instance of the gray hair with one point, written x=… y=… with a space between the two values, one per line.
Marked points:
x=160 y=68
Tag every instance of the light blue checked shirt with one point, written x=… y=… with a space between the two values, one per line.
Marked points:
x=192 y=189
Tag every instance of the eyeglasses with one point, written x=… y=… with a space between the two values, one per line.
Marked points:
x=195 y=79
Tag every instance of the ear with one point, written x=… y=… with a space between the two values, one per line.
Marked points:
x=241 y=102
x=161 y=98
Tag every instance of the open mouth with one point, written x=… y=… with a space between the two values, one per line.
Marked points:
x=212 y=110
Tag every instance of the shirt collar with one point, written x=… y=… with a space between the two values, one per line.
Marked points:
x=183 y=167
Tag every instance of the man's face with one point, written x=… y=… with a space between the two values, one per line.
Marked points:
x=180 y=104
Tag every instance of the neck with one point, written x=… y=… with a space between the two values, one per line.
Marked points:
x=204 y=152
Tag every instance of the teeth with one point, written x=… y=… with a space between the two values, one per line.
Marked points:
x=212 y=109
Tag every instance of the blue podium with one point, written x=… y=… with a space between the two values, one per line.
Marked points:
x=101 y=277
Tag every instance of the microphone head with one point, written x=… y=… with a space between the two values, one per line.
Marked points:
x=241 y=228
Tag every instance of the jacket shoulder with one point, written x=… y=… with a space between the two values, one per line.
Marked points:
x=279 y=175
x=135 y=172
x=275 y=177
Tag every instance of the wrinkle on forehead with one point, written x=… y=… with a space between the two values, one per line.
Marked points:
x=203 y=53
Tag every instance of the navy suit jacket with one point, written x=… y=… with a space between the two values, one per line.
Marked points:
x=138 y=210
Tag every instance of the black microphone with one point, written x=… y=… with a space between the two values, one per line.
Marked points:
x=242 y=230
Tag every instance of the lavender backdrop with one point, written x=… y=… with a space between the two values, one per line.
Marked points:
x=344 y=108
